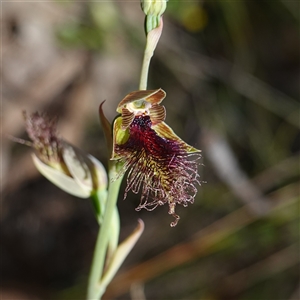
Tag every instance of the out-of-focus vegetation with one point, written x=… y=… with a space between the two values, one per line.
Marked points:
x=231 y=73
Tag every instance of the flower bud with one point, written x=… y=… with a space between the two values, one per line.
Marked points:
x=153 y=10
x=154 y=7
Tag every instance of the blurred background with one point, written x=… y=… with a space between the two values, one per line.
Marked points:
x=231 y=73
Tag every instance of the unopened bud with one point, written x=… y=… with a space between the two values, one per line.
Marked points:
x=153 y=10
x=154 y=7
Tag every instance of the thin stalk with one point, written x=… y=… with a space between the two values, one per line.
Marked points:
x=145 y=67
x=94 y=289
x=152 y=39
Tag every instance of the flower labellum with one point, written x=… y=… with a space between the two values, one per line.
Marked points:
x=161 y=165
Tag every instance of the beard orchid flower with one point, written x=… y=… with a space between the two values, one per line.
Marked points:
x=66 y=166
x=161 y=165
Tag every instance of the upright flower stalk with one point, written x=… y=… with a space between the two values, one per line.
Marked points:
x=108 y=259
x=95 y=287
x=152 y=39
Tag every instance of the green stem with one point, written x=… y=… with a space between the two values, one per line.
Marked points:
x=94 y=289
x=97 y=200
x=145 y=67
x=153 y=37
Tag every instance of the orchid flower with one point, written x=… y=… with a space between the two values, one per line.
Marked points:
x=161 y=165
x=63 y=164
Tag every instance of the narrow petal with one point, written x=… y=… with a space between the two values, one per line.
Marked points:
x=165 y=131
x=127 y=117
x=61 y=180
x=106 y=126
x=87 y=171
x=157 y=114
